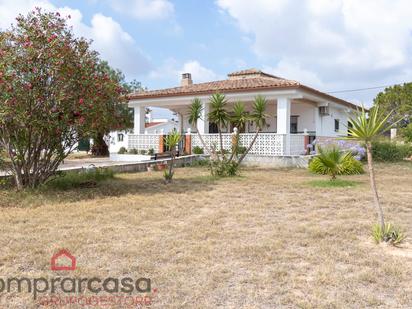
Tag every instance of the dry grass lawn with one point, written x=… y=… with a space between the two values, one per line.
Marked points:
x=265 y=239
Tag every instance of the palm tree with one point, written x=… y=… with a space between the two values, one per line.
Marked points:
x=171 y=141
x=332 y=161
x=239 y=118
x=258 y=116
x=219 y=115
x=195 y=113
x=366 y=128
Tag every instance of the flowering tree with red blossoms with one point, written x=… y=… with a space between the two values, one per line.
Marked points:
x=53 y=91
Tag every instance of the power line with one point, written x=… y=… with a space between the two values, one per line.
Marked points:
x=360 y=89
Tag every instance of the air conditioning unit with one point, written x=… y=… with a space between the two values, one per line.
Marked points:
x=323 y=110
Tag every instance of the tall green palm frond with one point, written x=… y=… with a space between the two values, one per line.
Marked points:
x=218 y=113
x=366 y=126
x=195 y=111
x=240 y=116
x=259 y=115
x=172 y=139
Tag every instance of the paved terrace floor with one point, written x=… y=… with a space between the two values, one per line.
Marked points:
x=71 y=164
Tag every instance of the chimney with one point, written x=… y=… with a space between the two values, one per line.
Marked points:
x=186 y=80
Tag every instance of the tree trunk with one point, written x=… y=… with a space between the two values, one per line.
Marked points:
x=221 y=143
x=373 y=186
x=211 y=151
x=250 y=147
x=100 y=148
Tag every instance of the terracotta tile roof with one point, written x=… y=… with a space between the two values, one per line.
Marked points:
x=257 y=82
x=152 y=124
x=241 y=81
x=250 y=72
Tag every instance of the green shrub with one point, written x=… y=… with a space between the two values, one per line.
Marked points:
x=407 y=133
x=224 y=168
x=151 y=152
x=88 y=178
x=224 y=151
x=391 y=234
x=332 y=161
x=198 y=150
x=133 y=151
x=200 y=163
x=387 y=151
x=143 y=151
x=241 y=150
x=122 y=150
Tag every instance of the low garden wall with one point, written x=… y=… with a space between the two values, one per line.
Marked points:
x=277 y=162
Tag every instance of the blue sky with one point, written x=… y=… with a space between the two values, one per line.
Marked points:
x=327 y=44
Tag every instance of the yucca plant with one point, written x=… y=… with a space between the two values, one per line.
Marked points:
x=332 y=161
x=259 y=117
x=195 y=113
x=219 y=115
x=390 y=234
x=239 y=118
x=171 y=141
x=366 y=128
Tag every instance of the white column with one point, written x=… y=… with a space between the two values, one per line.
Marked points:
x=180 y=120
x=283 y=122
x=203 y=123
x=283 y=116
x=139 y=119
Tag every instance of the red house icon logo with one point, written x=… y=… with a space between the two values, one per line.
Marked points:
x=63 y=260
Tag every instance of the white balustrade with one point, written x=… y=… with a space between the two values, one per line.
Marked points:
x=266 y=144
x=297 y=144
x=143 y=141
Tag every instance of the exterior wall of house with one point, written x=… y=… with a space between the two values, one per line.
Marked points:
x=306 y=116
x=328 y=121
x=116 y=141
x=164 y=127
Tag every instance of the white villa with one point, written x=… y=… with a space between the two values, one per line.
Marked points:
x=297 y=113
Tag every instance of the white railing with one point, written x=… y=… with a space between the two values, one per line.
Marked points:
x=143 y=141
x=266 y=144
x=297 y=144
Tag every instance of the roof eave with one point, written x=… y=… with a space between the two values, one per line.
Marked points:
x=209 y=92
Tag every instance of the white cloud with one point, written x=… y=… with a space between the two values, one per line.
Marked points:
x=144 y=9
x=341 y=43
x=199 y=73
x=171 y=70
x=113 y=43
x=293 y=71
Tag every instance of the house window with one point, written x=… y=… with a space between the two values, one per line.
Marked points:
x=336 y=125
x=350 y=126
x=120 y=137
x=293 y=124
x=213 y=128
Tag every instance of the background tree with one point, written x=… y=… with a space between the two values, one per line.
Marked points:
x=396 y=100
x=51 y=93
x=114 y=111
